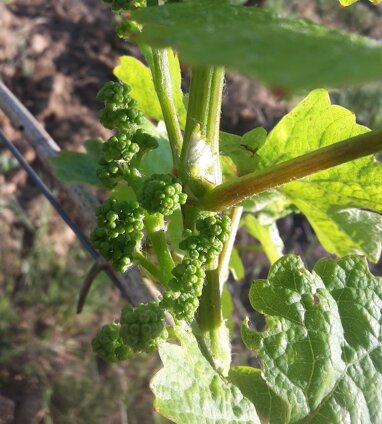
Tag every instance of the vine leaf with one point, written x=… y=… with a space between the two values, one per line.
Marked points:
x=236 y=265
x=79 y=168
x=189 y=391
x=321 y=351
x=332 y=200
x=242 y=150
x=268 y=236
x=270 y=407
x=133 y=72
x=349 y=2
x=287 y=53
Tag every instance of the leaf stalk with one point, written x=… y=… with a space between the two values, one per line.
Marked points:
x=163 y=86
x=236 y=191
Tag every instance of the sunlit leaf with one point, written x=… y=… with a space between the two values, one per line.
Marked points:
x=321 y=350
x=189 y=391
x=331 y=200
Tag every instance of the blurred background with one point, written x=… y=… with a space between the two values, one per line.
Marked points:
x=55 y=56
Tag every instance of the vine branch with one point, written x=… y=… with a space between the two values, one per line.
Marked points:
x=236 y=191
x=163 y=87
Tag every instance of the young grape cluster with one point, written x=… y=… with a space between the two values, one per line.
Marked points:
x=143 y=327
x=188 y=277
x=108 y=344
x=120 y=110
x=201 y=248
x=120 y=226
x=117 y=153
x=162 y=193
x=119 y=231
x=121 y=155
x=140 y=329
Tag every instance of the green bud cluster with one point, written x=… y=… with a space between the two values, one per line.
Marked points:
x=145 y=142
x=215 y=226
x=181 y=305
x=118 y=151
x=120 y=110
x=119 y=231
x=188 y=277
x=162 y=193
x=205 y=246
x=108 y=344
x=201 y=248
x=143 y=327
x=121 y=155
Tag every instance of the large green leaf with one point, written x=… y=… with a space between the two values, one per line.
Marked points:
x=331 y=199
x=189 y=391
x=283 y=52
x=270 y=407
x=76 y=167
x=321 y=351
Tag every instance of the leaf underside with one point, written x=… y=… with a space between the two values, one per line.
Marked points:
x=321 y=351
x=189 y=391
x=282 y=52
x=80 y=168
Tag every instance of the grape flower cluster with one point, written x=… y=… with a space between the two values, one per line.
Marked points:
x=120 y=109
x=120 y=224
x=108 y=344
x=119 y=231
x=141 y=329
x=201 y=248
x=162 y=193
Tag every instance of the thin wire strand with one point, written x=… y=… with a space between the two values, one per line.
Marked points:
x=56 y=205
x=47 y=193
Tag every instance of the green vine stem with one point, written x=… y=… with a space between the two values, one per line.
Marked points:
x=210 y=315
x=225 y=256
x=198 y=105
x=148 y=266
x=200 y=151
x=163 y=86
x=201 y=170
x=154 y=225
x=211 y=322
x=234 y=192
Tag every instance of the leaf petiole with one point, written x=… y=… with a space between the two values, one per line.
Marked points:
x=234 y=192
